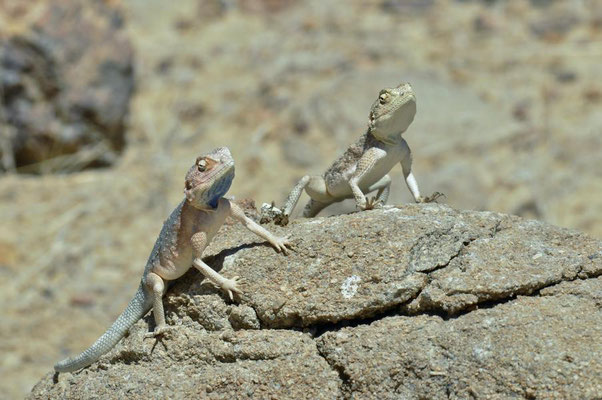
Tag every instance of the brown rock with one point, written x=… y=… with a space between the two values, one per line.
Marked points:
x=66 y=84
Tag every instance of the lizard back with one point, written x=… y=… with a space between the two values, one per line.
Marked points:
x=350 y=157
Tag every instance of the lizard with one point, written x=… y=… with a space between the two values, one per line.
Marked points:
x=365 y=166
x=181 y=242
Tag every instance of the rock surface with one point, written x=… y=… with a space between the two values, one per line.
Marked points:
x=65 y=85
x=420 y=301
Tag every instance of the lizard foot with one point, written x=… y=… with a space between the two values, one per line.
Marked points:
x=432 y=198
x=159 y=330
x=231 y=286
x=371 y=204
x=281 y=244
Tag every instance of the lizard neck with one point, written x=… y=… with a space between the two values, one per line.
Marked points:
x=389 y=127
x=386 y=137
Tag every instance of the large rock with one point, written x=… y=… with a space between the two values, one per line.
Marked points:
x=534 y=347
x=66 y=84
x=421 y=301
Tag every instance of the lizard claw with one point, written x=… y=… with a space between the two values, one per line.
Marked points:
x=432 y=198
x=231 y=285
x=281 y=243
x=372 y=204
x=369 y=204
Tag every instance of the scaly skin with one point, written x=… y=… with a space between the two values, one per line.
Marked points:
x=180 y=245
x=364 y=167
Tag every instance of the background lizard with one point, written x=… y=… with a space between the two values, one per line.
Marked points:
x=184 y=236
x=364 y=167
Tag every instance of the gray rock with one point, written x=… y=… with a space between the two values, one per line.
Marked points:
x=421 y=301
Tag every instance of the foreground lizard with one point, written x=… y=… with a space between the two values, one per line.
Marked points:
x=364 y=167
x=184 y=236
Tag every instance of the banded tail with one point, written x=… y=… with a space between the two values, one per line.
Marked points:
x=136 y=309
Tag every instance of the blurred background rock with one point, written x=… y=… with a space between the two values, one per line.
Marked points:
x=106 y=103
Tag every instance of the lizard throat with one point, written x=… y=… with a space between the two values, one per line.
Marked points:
x=218 y=189
x=390 y=138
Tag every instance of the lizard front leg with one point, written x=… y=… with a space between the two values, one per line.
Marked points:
x=199 y=242
x=227 y=285
x=406 y=166
x=364 y=166
x=279 y=243
x=413 y=186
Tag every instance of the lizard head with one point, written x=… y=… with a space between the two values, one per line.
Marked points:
x=209 y=179
x=392 y=112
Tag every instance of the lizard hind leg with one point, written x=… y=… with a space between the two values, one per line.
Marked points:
x=320 y=197
x=313 y=207
x=382 y=195
x=156 y=286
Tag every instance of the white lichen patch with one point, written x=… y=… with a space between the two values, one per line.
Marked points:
x=229 y=260
x=350 y=286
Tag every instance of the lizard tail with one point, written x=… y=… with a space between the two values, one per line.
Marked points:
x=138 y=306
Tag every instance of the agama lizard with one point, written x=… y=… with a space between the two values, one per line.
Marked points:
x=180 y=245
x=364 y=167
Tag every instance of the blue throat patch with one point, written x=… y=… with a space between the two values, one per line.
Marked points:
x=219 y=189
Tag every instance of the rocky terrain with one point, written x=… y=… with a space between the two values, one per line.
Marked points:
x=509 y=120
x=415 y=302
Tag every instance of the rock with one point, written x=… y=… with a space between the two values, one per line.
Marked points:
x=66 y=84
x=528 y=348
x=417 y=301
x=195 y=364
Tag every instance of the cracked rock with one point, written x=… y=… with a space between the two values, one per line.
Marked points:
x=417 y=301
x=530 y=348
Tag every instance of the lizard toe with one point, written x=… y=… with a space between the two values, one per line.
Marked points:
x=158 y=331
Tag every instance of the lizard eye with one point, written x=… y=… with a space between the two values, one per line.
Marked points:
x=383 y=98
x=202 y=165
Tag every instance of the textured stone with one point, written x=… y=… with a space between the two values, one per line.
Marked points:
x=530 y=348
